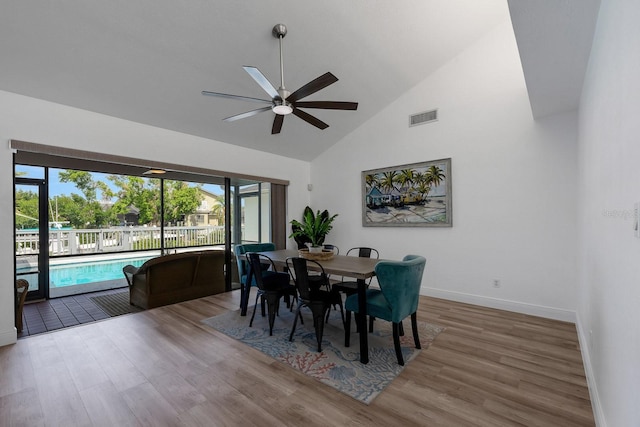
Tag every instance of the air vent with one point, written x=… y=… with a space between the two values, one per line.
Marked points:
x=422 y=118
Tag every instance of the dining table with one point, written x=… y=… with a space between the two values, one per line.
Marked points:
x=359 y=268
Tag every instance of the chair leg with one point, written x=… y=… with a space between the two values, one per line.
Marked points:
x=295 y=321
x=347 y=329
x=254 y=310
x=396 y=343
x=414 y=327
x=272 y=307
x=371 y=320
x=319 y=327
x=401 y=328
x=340 y=305
x=342 y=315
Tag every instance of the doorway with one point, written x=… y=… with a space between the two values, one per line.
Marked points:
x=32 y=236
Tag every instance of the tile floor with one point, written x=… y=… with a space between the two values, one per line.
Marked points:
x=45 y=316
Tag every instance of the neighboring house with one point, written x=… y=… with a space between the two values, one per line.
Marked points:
x=205 y=214
x=130 y=217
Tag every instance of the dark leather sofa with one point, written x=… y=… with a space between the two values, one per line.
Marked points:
x=170 y=279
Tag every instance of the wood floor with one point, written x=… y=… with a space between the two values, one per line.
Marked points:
x=162 y=367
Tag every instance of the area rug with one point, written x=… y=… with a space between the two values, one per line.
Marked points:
x=336 y=365
x=115 y=304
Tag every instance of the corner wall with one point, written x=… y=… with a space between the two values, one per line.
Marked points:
x=32 y=120
x=609 y=252
x=514 y=184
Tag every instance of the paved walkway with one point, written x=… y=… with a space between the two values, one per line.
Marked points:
x=62 y=312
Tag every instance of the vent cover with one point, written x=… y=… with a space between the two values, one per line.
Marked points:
x=422 y=118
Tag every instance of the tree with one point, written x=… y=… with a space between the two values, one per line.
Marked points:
x=140 y=193
x=388 y=181
x=434 y=175
x=180 y=199
x=83 y=211
x=406 y=179
x=219 y=208
x=372 y=180
x=26 y=209
x=423 y=188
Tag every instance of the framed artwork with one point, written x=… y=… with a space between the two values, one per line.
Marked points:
x=414 y=195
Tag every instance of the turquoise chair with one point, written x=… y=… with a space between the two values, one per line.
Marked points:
x=397 y=298
x=243 y=269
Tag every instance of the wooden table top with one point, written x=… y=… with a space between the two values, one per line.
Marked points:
x=340 y=265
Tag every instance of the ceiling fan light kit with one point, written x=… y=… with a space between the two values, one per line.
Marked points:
x=282 y=101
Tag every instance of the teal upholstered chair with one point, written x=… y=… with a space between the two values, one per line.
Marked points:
x=243 y=269
x=397 y=298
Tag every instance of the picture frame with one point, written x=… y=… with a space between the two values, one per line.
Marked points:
x=411 y=195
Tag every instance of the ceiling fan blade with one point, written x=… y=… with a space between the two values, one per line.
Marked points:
x=277 y=124
x=313 y=86
x=328 y=105
x=238 y=97
x=262 y=81
x=247 y=114
x=310 y=119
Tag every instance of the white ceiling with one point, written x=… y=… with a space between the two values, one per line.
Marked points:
x=554 y=39
x=148 y=60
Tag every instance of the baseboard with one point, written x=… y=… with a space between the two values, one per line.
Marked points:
x=596 y=404
x=502 y=304
x=9 y=336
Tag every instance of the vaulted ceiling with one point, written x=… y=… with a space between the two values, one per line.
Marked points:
x=147 y=61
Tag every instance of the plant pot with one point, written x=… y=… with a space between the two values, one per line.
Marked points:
x=315 y=249
x=319 y=256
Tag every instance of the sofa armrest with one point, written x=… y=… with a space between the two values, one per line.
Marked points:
x=129 y=271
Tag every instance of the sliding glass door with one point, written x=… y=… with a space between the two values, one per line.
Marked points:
x=31 y=235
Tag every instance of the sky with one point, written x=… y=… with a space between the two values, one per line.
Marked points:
x=57 y=188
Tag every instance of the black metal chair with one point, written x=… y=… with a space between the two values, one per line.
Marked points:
x=313 y=297
x=271 y=287
x=350 y=287
x=330 y=247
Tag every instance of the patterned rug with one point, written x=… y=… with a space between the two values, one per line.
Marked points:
x=115 y=304
x=336 y=365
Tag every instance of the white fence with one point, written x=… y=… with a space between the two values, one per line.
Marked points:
x=117 y=239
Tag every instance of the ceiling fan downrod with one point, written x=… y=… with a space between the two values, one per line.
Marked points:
x=279 y=31
x=282 y=107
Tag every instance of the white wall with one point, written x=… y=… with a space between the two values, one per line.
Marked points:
x=609 y=254
x=514 y=184
x=42 y=122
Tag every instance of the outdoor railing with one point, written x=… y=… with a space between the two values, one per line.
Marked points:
x=117 y=239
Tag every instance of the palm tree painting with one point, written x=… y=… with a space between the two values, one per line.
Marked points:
x=413 y=195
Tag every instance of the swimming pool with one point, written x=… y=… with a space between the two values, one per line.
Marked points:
x=90 y=272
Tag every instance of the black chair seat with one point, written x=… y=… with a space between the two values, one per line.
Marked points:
x=271 y=288
x=312 y=295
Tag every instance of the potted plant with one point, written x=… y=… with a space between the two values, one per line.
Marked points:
x=313 y=229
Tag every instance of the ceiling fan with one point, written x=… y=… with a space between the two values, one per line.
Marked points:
x=282 y=101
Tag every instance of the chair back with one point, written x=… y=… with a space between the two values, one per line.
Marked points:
x=257 y=265
x=243 y=266
x=364 y=252
x=299 y=271
x=400 y=284
x=333 y=248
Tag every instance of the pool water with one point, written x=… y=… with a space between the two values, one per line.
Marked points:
x=90 y=272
